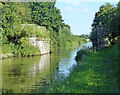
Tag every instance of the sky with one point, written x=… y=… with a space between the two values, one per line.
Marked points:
x=79 y=14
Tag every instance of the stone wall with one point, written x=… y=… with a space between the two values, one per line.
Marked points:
x=42 y=44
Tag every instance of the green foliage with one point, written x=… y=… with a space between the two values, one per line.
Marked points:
x=46 y=14
x=106 y=17
x=6 y=48
x=17 y=50
x=118 y=9
x=29 y=51
x=24 y=41
x=34 y=19
x=15 y=31
x=83 y=40
x=64 y=37
x=26 y=30
x=41 y=32
x=86 y=36
x=59 y=39
x=13 y=14
x=80 y=54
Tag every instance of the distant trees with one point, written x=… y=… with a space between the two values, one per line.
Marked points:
x=105 y=26
x=86 y=36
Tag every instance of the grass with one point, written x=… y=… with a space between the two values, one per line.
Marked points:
x=98 y=73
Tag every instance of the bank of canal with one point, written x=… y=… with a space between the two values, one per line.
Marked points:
x=97 y=73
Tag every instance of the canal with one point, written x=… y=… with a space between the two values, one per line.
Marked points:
x=25 y=74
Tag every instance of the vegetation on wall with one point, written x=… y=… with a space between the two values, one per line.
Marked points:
x=13 y=15
x=46 y=14
x=21 y=20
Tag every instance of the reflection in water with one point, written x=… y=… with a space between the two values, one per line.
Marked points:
x=26 y=74
x=66 y=65
x=44 y=63
x=87 y=45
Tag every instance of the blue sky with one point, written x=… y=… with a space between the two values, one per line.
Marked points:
x=79 y=15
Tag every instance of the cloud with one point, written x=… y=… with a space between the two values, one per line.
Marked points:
x=86 y=10
x=69 y=9
x=76 y=3
x=76 y=10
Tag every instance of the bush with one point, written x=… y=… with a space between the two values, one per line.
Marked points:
x=42 y=32
x=24 y=41
x=6 y=48
x=17 y=50
x=29 y=51
x=80 y=54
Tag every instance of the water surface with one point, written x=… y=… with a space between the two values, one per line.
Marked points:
x=24 y=75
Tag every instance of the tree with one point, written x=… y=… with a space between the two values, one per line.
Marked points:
x=13 y=14
x=118 y=9
x=46 y=14
x=106 y=18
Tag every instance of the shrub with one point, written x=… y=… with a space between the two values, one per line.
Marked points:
x=29 y=51
x=6 y=48
x=41 y=31
x=17 y=50
x=24 y=41
x=80 y=54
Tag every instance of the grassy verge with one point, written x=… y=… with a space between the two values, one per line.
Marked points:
x=98 y=73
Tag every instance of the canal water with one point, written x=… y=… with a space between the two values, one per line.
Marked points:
x=24 y=75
